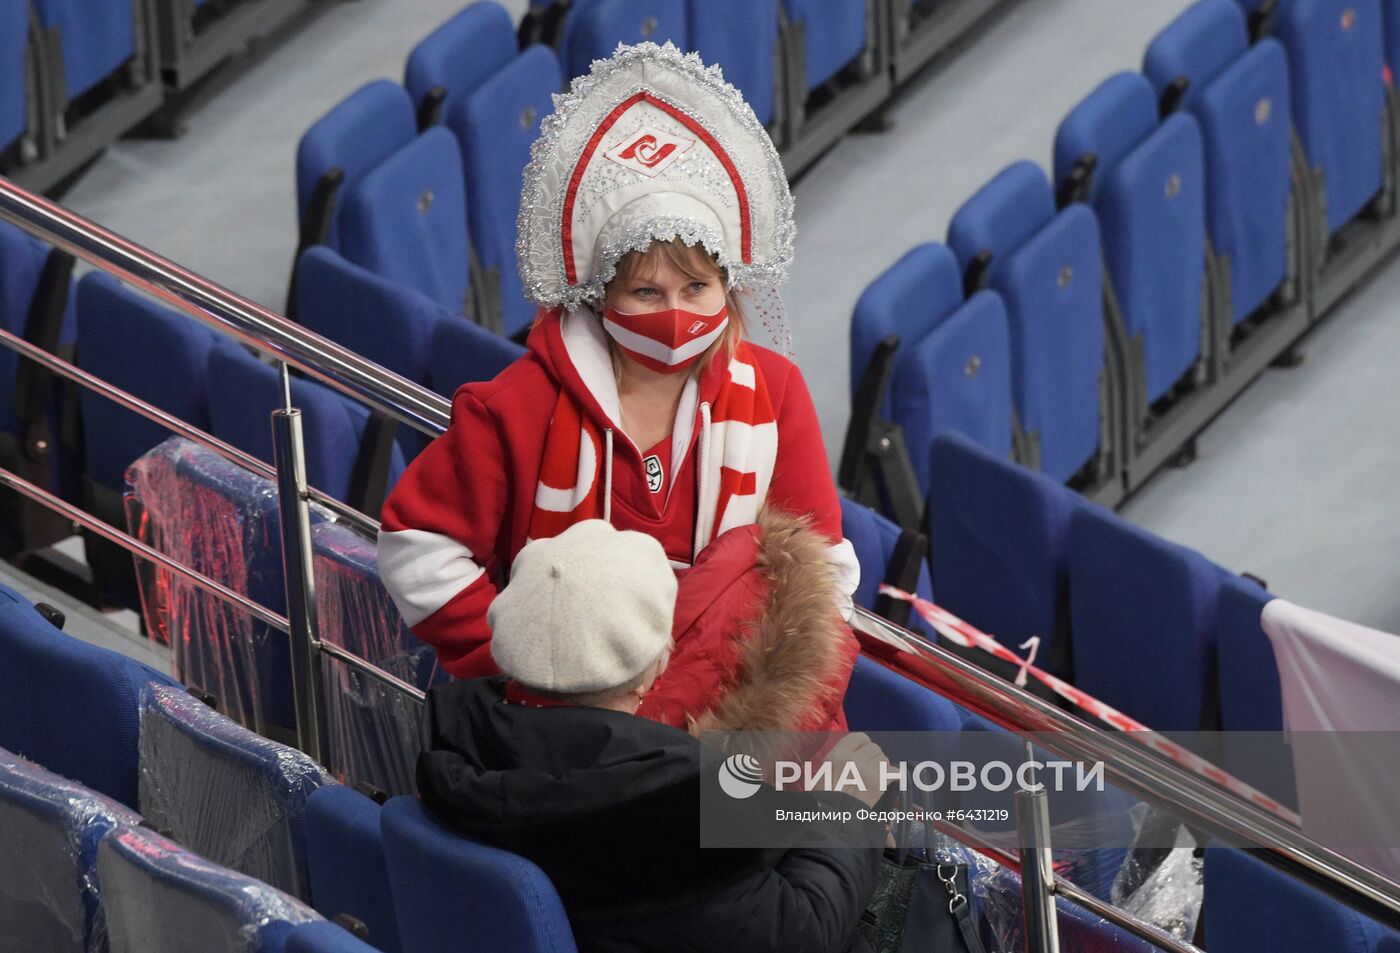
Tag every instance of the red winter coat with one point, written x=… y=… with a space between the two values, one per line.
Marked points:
x=759 y=645
x=461 y=512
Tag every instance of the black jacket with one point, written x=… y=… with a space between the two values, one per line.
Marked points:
x=608 y=805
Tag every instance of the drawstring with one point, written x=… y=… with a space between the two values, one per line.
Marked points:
x=704 y=462
x=607 y=474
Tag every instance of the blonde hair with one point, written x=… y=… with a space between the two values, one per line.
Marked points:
x=695 y=263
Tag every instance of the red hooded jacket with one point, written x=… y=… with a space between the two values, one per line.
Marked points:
x=461 y=512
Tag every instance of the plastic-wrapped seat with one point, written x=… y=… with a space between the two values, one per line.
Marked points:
x=162 y=898
x=372 y=731
x=222 y=791
x=1251 y=697
x=1240 y=96
x=998 y=538
x=15 y=93
x=217 y=518
x=343 y=459
x=1148 y=188
x=594 y=28
x=342 y=147
x=124 y=335
x=834 y=34
x=495 y=126
x=1144 y=613
x=95 y=38
x=1047 y=267
x=345 y=855
x=42 y=672
x=406 y=219
x=1336 y=55
x=741 y=36
x=457 y=57
x=50 y=894
x=451 y=893
x=37 y=304
x=1250 y=906
x=463 y=351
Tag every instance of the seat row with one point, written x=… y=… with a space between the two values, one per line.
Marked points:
x=420 y=183
x=1153 y=629
x=1202 y=216
x=393 y=874
x=76 y=77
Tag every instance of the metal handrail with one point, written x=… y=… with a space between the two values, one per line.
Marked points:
x=1132 y=765
x=190 y=432
x=221 y=309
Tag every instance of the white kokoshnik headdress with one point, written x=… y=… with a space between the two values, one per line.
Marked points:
x=651 y=145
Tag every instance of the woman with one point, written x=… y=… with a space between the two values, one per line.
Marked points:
x=653 y=197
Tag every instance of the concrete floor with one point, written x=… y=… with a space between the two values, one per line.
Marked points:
x=1295 y=483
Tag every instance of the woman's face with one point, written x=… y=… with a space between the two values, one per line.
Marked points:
x=664 y=288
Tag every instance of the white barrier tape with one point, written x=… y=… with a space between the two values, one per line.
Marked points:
x=957 y=631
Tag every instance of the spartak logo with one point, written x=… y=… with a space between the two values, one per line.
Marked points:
x=649 y=151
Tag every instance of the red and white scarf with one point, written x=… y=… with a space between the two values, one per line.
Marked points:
x=738 y=447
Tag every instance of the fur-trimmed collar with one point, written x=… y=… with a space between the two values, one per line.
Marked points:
x=793 y=650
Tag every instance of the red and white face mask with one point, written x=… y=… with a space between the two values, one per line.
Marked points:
x=665 y=341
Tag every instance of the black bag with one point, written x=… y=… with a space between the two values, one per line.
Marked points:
x=920 y=905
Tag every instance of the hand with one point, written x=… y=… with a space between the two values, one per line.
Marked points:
x=869 y=761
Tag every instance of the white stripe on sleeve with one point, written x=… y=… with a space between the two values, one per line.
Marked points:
x=423 y=571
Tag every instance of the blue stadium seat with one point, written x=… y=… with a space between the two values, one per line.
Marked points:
x=50 y=894
x=495 y=126
x=463 y=351
x=388 y=323
x=834 y=33
x=1149 y=191
x=1240 y=96
x=1143 y=613
x=1250 y=906
x=741 y=36
x=124 y=335
x=454 y=894
x=1390 y=17
x=216 y=517
x=456 y=58
x=161 y=898
x=318 y=937
x=1336 y=53
x=594 y=28
x=406 y=219
x=873 y=538
x=957 y=377
x=224 y=792
x=1047 y=267
x=346 y=143
x=42 y=674
x=95 y=38
x=998 y=535
x=345 y=853
x=879 y=699
x=14 y=86
x=907 y=300
x=243 y=394
x=1080 y=930
x=372 y=732
x=36 y=303
x=1251 y=698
